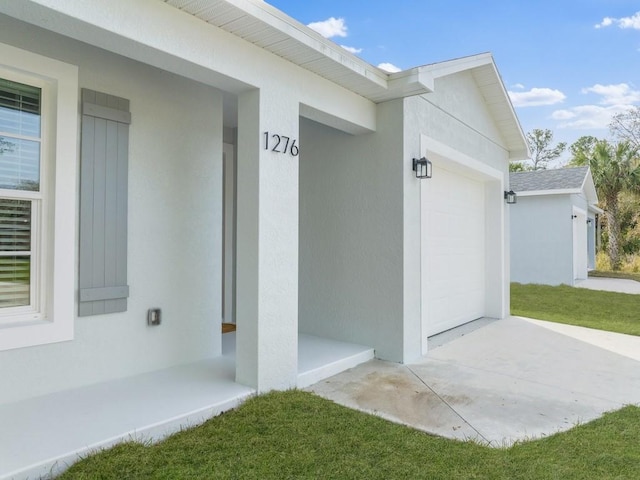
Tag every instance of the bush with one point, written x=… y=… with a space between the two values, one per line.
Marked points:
x=630 y=263
x=602 y=262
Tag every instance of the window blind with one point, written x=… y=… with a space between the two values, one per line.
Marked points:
x=20 y=107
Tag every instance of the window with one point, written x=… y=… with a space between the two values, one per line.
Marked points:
x=21 y=199
x=38 y=176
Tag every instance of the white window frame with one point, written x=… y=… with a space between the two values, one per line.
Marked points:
x=51 y=316
x=39 y=201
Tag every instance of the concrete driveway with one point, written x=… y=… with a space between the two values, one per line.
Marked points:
x=506 y=381
x=621 y=285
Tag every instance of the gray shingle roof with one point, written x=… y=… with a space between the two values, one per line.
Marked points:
x=558 y=179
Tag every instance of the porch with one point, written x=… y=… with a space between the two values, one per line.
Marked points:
x=43 y=435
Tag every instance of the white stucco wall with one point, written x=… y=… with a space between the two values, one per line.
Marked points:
x=351 y=218
x=174 y=251
x=456 y=114
x=542 y=240
x=360 y=237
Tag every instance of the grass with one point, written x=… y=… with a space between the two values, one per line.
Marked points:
x=611 y=311
x=295 y=434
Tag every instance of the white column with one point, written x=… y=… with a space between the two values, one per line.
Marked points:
x=267 y=241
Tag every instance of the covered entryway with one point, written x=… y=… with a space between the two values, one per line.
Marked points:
x=462 y=244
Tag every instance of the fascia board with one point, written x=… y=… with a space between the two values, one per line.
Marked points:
x=533 y=193
x=595 y=209
x=589 y=188
x=450 y=67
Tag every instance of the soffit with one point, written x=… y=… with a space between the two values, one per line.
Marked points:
x=267 y=27
x=499 y=104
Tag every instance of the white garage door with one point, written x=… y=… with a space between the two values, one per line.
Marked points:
x=453 y=250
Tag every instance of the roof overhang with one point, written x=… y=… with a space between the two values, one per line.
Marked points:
x=486 y=75
x=589 y=188
x=265 y=26
x=559 y=191
x=598 y=210
x=270 y=29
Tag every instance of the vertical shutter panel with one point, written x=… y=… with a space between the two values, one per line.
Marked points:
x=103 y=204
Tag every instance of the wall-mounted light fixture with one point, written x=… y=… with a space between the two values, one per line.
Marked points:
x=422 y=167
x=510 y=197
x=574 y=216
x=589 y=221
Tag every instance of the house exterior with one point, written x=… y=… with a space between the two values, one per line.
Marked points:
x=553 y=226
x=219 y=161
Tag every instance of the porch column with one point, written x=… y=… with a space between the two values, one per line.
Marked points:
x=267 y=240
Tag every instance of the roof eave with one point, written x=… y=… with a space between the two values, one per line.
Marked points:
x=513 y=135
x=559 y=191
x=306 y=48
x=407 y=83
x=588 y=185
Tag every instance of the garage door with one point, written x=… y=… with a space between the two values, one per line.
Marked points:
x=453 y=250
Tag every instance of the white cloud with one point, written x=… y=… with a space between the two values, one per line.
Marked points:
x=620 y=94
x=630 y=22
x=519 y=86
x=614 y=99
x=563 y=115
x=536 y=97
x=389 y=67
x=624 y=22
x=331 y=27
x=606 y=21
x=587 y=116
x=353 y=50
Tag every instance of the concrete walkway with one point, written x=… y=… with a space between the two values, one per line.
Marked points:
x=507 y=381
x=621 y=285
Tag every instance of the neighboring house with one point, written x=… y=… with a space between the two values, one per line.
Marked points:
x=220 y=161
x=553 y=226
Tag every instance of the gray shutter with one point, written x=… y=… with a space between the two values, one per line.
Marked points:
x=103 y=204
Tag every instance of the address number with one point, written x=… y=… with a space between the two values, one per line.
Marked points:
x=280 y=144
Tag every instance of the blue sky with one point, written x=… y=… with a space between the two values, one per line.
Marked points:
x=567 y=64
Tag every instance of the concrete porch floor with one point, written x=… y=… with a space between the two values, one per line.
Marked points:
x=43 y=435
x=499 y=382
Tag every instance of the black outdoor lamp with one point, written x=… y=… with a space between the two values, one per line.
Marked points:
x=422 y=167
x=510 y=197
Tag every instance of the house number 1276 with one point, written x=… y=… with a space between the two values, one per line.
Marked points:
x=280 y=144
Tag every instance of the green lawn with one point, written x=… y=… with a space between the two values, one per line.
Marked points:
x=296 y=434
x=611 y=311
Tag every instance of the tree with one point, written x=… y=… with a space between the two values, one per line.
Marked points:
x=625 y=127
x=5 y=146
x=519 y=167
x=582 y=150
x=541 y=150
x=615 y=169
